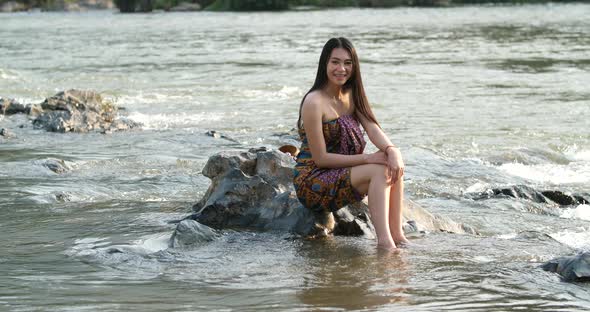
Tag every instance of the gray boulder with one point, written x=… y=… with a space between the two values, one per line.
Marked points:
x=572 y=268
x=79 y=111
x=190 y=233
x=254 y=189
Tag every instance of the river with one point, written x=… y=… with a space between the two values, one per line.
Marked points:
x=476 y=97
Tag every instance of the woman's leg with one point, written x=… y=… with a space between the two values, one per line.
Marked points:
x=396 y=202
x=373 y=180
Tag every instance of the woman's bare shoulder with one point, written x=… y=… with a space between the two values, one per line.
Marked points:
x=314 y=100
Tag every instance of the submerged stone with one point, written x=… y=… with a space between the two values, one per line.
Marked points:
x=5 y=133
x=572 y=268
x=190 y=233
x=56 y=165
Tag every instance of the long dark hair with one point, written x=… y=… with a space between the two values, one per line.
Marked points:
x=355 y=83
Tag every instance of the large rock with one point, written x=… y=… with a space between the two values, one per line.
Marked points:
x=79 y=111
x=254 y=189
x=572 y=269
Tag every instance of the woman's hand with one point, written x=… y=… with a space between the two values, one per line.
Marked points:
x=395 y=163
x=378 y=157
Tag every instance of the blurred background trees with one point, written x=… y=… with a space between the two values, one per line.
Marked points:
x=129 y=6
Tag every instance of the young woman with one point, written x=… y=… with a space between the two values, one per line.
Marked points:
x=331 y=170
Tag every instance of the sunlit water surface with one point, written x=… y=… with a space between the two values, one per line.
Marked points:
x=476 y=97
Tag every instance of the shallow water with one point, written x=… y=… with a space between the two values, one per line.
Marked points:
x=476 y=97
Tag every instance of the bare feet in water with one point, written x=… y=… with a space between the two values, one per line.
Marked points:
x=387 y=247
x=403 y=244
x=401 y=241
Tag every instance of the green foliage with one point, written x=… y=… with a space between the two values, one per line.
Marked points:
x=165 y=4
x=126 y=6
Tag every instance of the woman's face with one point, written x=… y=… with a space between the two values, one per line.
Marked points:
x=339 y=66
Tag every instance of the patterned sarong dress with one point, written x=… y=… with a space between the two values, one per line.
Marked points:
x=329 y=189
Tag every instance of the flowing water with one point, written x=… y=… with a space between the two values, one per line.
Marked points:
x=476 y=97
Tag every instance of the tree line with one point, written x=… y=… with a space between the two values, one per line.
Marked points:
x=129 y=6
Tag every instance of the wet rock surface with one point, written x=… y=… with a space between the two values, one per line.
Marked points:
x=571 y=268
x=5 y=133
x=190 y=233
x=72 y=111
x=79 y=111
x=56 y=165
x=11 y=107
x=528 y=193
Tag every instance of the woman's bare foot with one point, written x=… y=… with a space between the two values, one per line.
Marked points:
x=403 y=244
x=401 y=241
x=387 y=247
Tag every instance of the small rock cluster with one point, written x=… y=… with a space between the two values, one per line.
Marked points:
x=72 y=111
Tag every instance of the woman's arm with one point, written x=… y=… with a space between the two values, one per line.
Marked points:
x=311 y=113
x=382 y=142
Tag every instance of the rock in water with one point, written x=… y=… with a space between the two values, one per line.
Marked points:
x=190 y=233
x=5 y=133
x=254 y=189
x=526 y=192
x=79 y=111
x=11 y=107
x=572 y=269
x=56 y=165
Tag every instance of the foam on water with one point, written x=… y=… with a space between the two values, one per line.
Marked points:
x=8 y=75
x=284 y=93
x=94 y=246
x=578 y=240
x=166 y=121
x=575 y=154
x=151 y=243
x=550 y=173
x=581 y=212
x=508 y=236
x=154 y=98
x=477 y=187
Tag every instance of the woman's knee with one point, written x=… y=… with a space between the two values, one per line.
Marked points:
x=368 y=173
x=380 y=172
